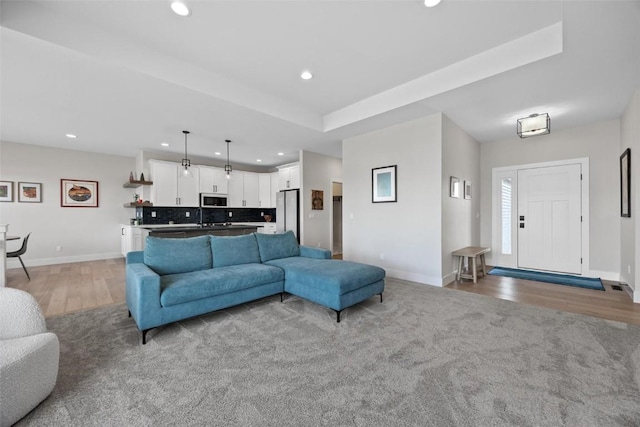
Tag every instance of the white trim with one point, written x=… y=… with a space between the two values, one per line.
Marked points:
x=14 y=263
x=415 y=277
x=604 y=275
x=585 y=209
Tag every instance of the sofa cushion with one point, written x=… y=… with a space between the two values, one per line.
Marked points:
x=186 y=287
x=234 y=250
x=276 y=246
x=181 y=255
x=328 y=275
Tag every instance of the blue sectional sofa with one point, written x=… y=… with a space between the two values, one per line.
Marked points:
x=174 y=279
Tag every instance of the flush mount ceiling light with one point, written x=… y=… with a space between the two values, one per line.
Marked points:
x=306 y=75
x=534 y=125
x=280 y=154
x=186 y=163
x=227 y=168
x=180 y=8
x=431 y=3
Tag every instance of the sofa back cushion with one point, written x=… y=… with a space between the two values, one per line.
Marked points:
x=276 y=246
x=234 y=250
x=173 y=256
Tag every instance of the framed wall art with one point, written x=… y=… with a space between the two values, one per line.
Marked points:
x=467 y=190
x=30 y=192
x=6 y=191
x=75 y=193
x=384 y=184
x=317 y=200
x=625 y=183
x=454 y=187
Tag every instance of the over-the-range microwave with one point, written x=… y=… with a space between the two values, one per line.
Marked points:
x=211 y=200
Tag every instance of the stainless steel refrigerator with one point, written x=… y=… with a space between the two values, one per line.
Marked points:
x=288 y=212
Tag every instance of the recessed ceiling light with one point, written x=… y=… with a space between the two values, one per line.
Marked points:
x=280 y=154
x=431 y=3
x=179 y=8
x=217 y=153
x=164 y=144
x=306 y=75
x=258 y=160
x=72 y=136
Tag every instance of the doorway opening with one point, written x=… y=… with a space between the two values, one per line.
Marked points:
x=336 y=190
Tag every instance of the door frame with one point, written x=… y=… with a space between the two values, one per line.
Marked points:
x=511 y=260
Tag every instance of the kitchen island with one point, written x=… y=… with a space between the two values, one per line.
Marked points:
x=192 y=231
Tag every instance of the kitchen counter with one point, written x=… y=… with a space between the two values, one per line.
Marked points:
x=183 y=230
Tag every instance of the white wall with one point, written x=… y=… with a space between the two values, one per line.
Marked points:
x=600 y=142
x=84 y=233
x=404 y=237
x=460 y=217
x=318 y=172
x=630 y=227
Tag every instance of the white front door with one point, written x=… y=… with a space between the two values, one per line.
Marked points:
x=549 y=218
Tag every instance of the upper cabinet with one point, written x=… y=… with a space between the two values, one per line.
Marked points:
x=170 y=186
x=267 y=199
x=289 y=176
x=243 y=190
x=213 y=180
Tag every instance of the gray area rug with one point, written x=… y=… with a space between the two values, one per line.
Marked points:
x=426 y=356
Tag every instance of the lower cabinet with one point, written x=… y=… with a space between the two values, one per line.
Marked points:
x=268 y=228
x=132 y=238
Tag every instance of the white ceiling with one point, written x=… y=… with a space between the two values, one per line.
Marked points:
x=126 y=76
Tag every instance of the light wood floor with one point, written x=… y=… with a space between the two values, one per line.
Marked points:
x=66 y=288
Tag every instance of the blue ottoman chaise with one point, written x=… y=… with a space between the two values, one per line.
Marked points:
x=174 y=279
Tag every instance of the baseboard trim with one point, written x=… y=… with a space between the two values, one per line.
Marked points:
x=14 y=263
x=414 y=277
x=605 y=275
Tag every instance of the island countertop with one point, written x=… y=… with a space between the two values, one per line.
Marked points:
x=198 y=230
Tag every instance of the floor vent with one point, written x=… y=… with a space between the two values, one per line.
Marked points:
x=616 y=287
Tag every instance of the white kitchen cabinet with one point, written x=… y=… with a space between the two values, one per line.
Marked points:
x=132 y=238
x=275 y=188
x=289 y=176
x=243 y=190
x=268 y=228
x=264 y=190
x=213 y=180
x=171 y=188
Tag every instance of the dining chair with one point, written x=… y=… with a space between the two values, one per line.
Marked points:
x=20 y=252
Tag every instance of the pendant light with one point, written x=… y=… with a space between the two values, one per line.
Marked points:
x=227 y=167
x=186 y=163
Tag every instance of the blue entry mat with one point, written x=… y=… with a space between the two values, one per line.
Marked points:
x=558 y=279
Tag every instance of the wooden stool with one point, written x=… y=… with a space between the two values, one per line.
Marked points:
x=471 y=253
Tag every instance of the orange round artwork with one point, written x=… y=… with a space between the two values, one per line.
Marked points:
x=79 y=193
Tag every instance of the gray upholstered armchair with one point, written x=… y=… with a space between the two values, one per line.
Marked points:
x=28 y=355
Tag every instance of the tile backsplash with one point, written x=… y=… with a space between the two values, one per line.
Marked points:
x=204 y=215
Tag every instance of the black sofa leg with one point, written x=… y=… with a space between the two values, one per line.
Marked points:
x=380 y=296
x=144 y=336
x=129 y=313
x=281 y=296
x=338 y=315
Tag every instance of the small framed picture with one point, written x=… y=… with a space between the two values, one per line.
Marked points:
x=75 y=193
x=6 y=191
x=30 y=192
x=317 y=200
x=625 y=183
x=454 y=187
x=384 y=184
x=467 y=190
